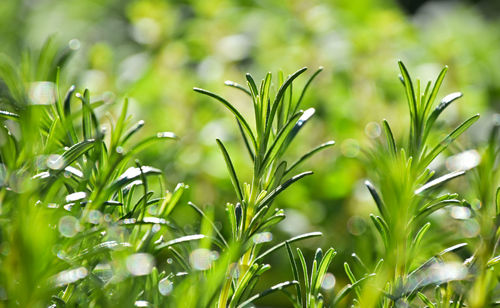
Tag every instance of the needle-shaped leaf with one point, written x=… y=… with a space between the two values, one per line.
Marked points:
x=179 y=240
x=232 y=219
x=269 y=222
x=275 y=192
x=452 y=248
x=312 y=283
x=420 y=234
x=230 y=168
x=425 y=300
x=257 y=107
x=120 y=124
x=278 y=99
x=177 y=256
x=146 y=194
x=497 y=201
x=291 y=240
x=76 y=151
x=445 y=102
x=275 y=180
x=304 y=90
x=169 y=203
x=273 y=289
x=243 y=283
x=448 y=140
x=132 y=174
x=351 y=277
x=435 y=89
x=440 y=180
x=245 y=140
x=493 y=261
x=264 y=98
x=296 y=128
x=89 y=119
x=389 y=137
x=8 y=115
x=444 y=197
x=310 y=154
x=410 y=93
x=345 y=291
x=148 y=141
x=237 y=86
x=427 y=276
x=100 y=248
x=382 y=228
x=436 y=206
x=435 y=259
x=252 y=85
x=214 y=227
x=67 y=101
x=11 y=78
x=295 y=272
x=238 y=212
x=143 y=199
x=134 y=129
x=254 y=222
x=147 y=221
x=323 y=267
x=279 y=140
x=303 y=264
x=376 y=197
x=233 y=110
x=349 y=273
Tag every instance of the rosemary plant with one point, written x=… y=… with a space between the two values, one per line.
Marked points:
x=485 y=211
x=76 y=214
x=406 y=193
x=84 y=223
x=278 y=119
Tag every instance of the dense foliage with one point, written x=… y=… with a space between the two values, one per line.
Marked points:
x=101 y=209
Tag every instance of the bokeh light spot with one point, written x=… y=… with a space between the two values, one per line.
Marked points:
x=328 y=281
x=140 y=264
x=68 y=226
x=165 y=286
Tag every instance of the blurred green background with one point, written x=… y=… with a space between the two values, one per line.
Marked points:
x=156 y=51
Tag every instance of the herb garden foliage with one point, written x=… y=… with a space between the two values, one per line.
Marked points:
x=84 y=224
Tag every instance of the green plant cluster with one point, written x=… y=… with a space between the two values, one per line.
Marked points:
x=155 y=51
x=85 y=223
